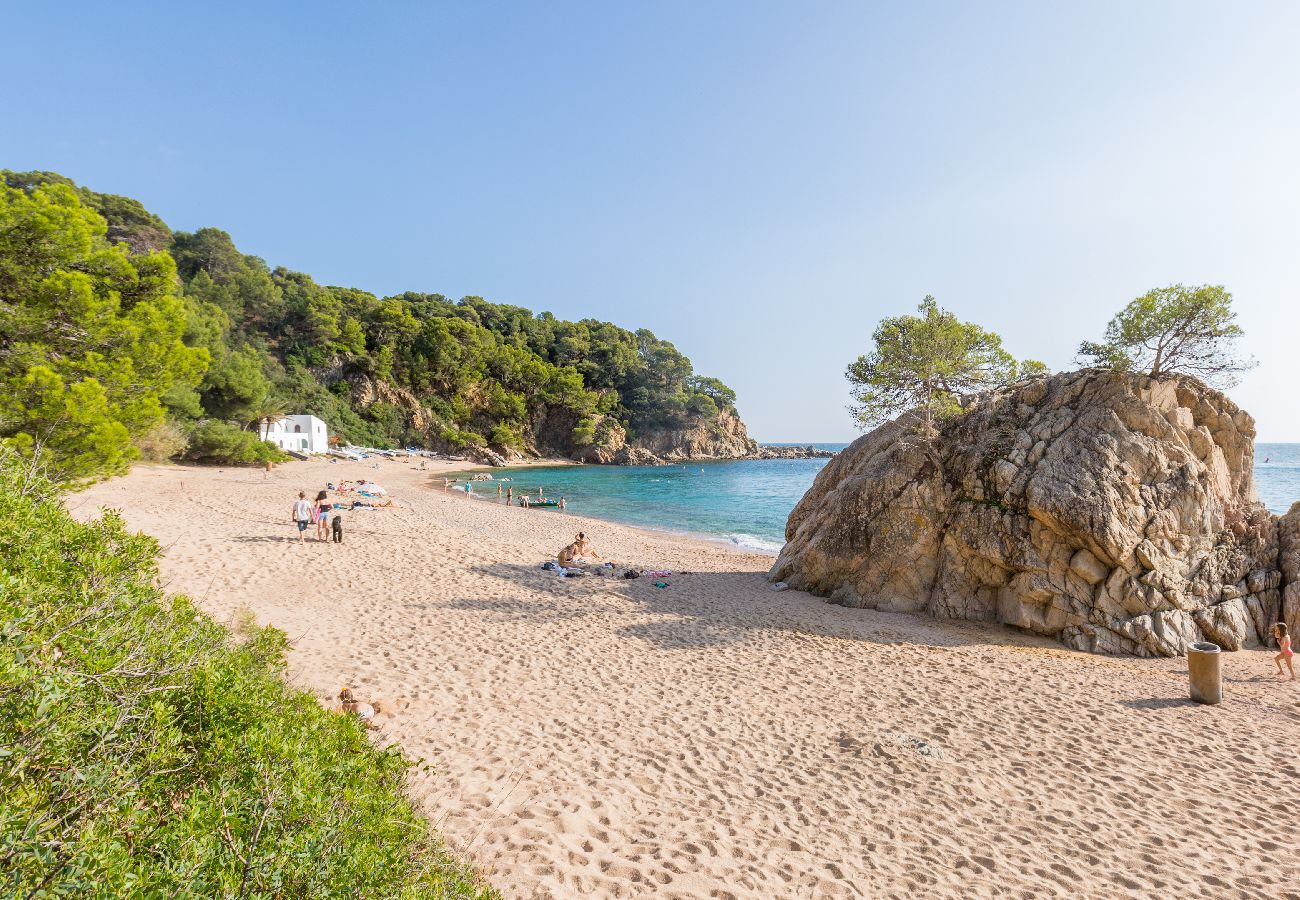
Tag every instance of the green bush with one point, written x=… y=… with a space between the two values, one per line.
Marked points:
x=584 y=433
x=162 y=442
x=146 y=752
x=461 y=440
x=506 y=436
x=221 y=442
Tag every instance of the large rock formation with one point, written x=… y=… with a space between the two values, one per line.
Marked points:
x=699 y=438
x=1116 y=513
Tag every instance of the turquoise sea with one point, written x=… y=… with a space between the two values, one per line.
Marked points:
x=747 y=502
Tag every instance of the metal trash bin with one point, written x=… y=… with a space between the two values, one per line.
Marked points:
x=1205 y=672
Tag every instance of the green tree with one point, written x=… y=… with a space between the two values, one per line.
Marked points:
x=1192 y=330
x=91 y=335
x=235 y=388
x=1032 y=368
x=925 y=363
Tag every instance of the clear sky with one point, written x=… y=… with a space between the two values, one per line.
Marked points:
x=758 y=182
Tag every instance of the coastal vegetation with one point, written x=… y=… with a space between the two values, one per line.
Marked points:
x=1175 y=329
x=112 y=326
x=146 y=751
x=926 y=362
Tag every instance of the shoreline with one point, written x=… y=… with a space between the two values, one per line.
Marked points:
x=705 y=537
x=599 y=736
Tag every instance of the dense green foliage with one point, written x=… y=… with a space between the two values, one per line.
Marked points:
x=1192 y=330
x=925 y=363
x=220 y=442
x=221 y=337
x=90 y=334
x=146 y=752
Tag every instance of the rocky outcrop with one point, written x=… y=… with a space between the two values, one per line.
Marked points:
x=782 y=451
x=1288 y=540
x=609 y=442
x=722 y=438
x=1116 y=513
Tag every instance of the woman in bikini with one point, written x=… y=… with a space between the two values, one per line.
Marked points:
x=323 y=509
x=1283 y=644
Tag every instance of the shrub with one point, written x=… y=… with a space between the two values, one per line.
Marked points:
x=462 y=439
x=221 y=442
x=584 y=433
x=506 y=436
x=164 y=441
x=144 y=752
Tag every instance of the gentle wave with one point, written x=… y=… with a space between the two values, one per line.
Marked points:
x=753 y=542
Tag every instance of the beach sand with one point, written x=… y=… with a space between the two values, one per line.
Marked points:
x=602 y=737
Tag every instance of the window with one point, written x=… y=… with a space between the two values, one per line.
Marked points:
x=297 y=429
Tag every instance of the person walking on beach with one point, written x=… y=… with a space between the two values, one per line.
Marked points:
x=302 y=516
x=1283 y=644
x=323 y=507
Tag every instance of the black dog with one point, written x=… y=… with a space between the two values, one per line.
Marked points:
x=338 y=528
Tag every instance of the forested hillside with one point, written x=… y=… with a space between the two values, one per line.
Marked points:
x=119 y=337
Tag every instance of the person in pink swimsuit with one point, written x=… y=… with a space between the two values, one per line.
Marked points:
x=1283 y=644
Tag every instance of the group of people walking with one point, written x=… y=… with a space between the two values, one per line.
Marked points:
x=321 y=513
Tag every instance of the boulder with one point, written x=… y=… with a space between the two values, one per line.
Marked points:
x=1113 y=512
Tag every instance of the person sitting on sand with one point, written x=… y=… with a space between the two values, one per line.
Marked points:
x=366 y=711
x=580 y=549
x=1283 y=644
x=585 y=548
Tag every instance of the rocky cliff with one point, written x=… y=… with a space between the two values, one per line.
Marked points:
x=1115 y=513
x=721 y=438
x=550 y=432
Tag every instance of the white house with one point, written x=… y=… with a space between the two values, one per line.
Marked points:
x=305 y=434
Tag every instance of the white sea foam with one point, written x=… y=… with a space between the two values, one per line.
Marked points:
x=753 y=542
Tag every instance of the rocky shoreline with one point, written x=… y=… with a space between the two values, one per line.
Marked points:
x=1114 y=513
x=629 y=455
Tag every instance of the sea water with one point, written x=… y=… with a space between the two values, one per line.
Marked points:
x=746 y=502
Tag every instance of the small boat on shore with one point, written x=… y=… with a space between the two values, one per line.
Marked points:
x=529 y=503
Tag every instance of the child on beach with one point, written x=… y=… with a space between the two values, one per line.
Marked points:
x=1283 y=644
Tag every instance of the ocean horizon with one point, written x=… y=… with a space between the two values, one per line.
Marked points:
x=745 y=503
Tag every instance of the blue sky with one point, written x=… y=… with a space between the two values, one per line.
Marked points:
x=758 y=182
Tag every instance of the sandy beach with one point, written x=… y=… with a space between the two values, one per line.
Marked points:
x=602 y=737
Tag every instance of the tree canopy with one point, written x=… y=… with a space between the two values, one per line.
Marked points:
x=91 y=335
x=925 y=362
x=1192 y=330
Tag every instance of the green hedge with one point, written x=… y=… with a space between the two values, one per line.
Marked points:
x=145 y=751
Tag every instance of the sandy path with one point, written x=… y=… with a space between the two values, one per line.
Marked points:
x=596 y=737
